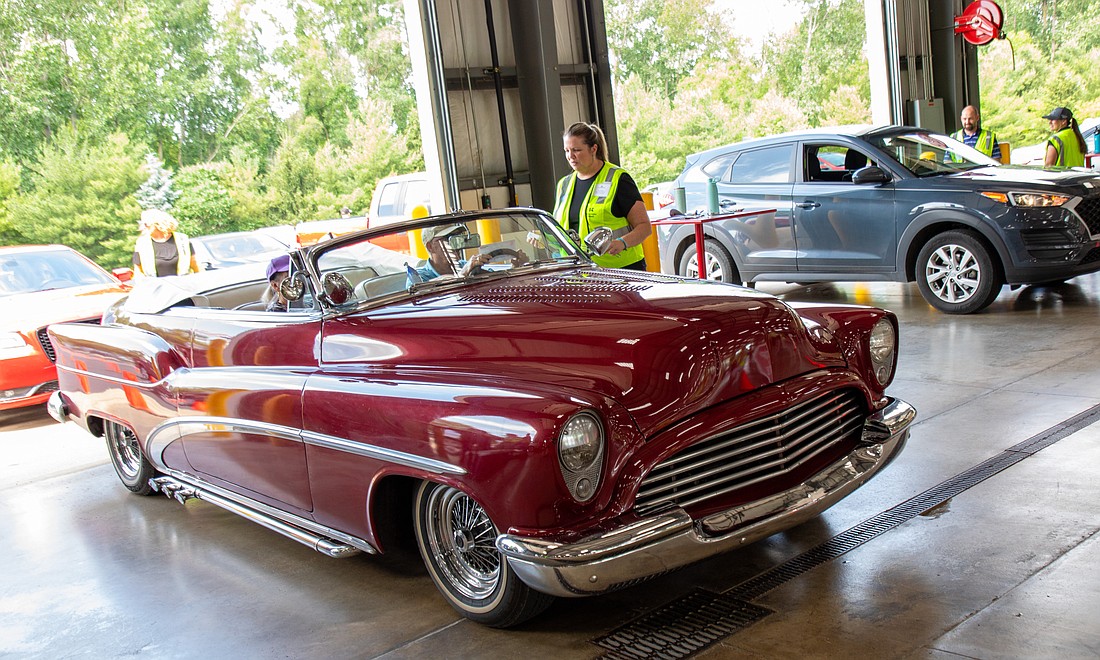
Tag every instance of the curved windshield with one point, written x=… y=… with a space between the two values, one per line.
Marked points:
x=42 y=270
x=406 y=258
x=247 y=247
x=931 y=154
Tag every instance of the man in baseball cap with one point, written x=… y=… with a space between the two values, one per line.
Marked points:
x=440 y=261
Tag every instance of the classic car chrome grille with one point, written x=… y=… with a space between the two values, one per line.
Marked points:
x=755 y=451
x=1089 y=210
x=47 y=345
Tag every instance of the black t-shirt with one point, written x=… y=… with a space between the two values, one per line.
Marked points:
x=626 y=194
x=165 y=255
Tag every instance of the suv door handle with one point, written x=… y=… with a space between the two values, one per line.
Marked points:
x=808 y=205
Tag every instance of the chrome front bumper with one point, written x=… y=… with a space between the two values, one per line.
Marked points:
x=672 y=539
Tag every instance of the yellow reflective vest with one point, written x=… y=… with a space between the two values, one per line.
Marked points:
x=1069 y=151
x=984 y=143
x=147 y=261
x=595 y=212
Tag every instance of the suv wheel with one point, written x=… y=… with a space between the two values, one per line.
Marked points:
x=719 y=264
x=956 y=274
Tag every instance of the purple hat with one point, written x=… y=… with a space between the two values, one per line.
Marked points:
x=1059 y=113
x=280 y=264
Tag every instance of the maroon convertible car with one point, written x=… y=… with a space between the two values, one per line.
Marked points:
x=543 y=426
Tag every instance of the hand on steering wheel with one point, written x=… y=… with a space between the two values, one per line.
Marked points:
x=476 y=264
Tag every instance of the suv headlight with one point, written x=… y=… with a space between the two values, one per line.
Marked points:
x=883 y=344
x=580 y=454
x=1037 y=199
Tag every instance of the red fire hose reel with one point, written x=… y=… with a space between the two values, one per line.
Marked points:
x=980 y=22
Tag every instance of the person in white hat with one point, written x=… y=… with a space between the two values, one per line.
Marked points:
x=161 y=250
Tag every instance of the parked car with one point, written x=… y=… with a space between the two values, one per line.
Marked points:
x=396 y=196
x=236 y=248
x=40 y=285
x=542 y=426
x=898 y=211
x=1034 y=154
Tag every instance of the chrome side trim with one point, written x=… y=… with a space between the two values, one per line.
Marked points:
x=307 y=532
x=162 y=436
x=382 y=454
x=57 y=407
x=114 y=379
x=670 y=539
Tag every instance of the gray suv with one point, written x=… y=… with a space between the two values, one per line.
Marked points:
x=894 y=203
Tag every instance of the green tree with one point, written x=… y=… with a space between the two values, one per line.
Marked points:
x=83 y=197
x=662 y=41
x=157 y=191
x=204 y=205
x=9 y=185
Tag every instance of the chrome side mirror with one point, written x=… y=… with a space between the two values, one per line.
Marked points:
x=293 y=287
x=598 y=239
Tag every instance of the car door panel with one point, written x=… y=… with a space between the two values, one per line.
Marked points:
x=839 y=226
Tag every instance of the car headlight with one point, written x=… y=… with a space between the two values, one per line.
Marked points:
x=13 y=345
x=883 y=344
x=580 y=454
x=1037 y=199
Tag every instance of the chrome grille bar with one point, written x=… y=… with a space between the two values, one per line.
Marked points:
x=758 y=450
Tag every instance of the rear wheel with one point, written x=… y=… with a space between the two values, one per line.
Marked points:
x=458 y=543
x=719 y=263
x=956 y=273
x=130 y=464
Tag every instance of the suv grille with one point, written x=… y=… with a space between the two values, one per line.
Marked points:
x=47 y=345
x=755 y=451
x=1089 y=210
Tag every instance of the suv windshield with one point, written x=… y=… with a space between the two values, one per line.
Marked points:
x=931 y=154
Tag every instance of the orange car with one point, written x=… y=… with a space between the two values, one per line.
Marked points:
x=40 y=285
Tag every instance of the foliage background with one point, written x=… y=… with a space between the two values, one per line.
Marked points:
x=275 y=112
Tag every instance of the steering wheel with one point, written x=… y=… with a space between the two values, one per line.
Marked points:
x=515 y=256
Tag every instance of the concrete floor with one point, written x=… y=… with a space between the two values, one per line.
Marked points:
x=1003 y=569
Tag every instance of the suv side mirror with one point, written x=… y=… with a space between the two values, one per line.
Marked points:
x=870 y=174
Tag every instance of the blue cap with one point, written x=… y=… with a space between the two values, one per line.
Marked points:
x=280 y=264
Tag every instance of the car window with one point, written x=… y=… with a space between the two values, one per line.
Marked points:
x=768 y=165
x=831 y=162
x=713 y=169
x=416 y=194
x=387 y=204
x=929 y=154
x=40 y=271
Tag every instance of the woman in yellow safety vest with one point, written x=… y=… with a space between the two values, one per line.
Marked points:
x=599 y=193
x=1066 y=146
x=161 y=250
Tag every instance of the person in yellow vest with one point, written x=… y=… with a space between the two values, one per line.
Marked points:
x=1065 y=146
x=161 y=250
x=599 y=193
x=973 y=135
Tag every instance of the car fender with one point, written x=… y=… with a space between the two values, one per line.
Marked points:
x=934 y=219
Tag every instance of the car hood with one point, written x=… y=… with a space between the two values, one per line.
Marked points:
x=661 y=346
x=1033 y=177
x=29 y=311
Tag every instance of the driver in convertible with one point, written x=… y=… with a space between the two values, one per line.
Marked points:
x=443 y=260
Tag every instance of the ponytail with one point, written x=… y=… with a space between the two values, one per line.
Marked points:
x=1077 y=132
x=592 y=136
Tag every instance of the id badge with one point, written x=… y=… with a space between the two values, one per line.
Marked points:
x=603 y=188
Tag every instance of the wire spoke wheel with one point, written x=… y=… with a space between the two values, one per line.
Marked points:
x=457 y=541
x=463 y=541
x=131 y=466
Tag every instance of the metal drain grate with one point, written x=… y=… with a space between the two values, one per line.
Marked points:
x=681 y=628
x=696 y=621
